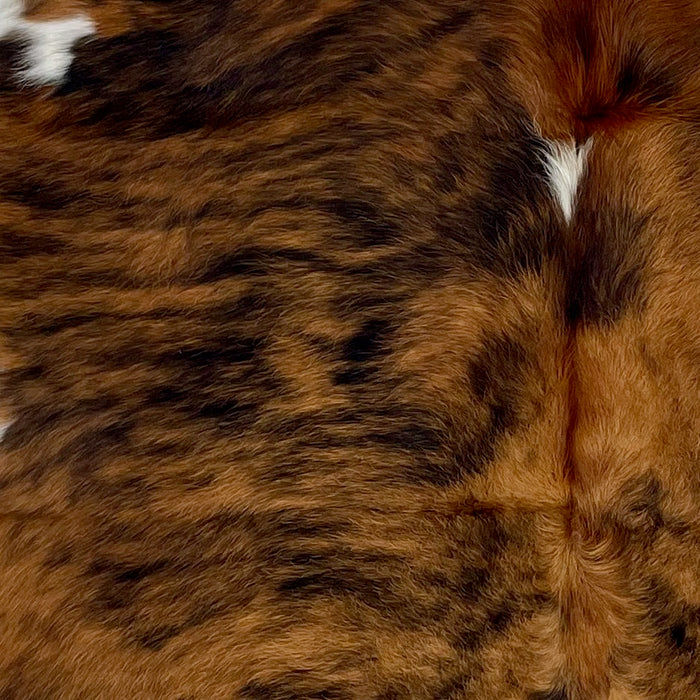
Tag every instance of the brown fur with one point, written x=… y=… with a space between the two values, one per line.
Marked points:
x=315 y=393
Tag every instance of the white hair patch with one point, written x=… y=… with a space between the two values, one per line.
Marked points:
x=565 y=164
x=49 y=43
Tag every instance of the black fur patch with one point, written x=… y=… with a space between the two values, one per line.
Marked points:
x=604 y=274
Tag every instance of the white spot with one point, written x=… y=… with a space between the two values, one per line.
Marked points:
x=565 y=164
x=3 y=429
x=49 y=42
x=10 y=15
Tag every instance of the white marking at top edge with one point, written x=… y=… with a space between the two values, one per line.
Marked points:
x=48 y=55
x=565 y=164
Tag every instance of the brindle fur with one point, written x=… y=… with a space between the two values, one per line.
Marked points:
x=315 y=394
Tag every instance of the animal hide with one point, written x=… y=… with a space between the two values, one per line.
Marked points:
x=350 y=349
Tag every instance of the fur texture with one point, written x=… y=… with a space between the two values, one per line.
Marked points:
x=350 y=350
x=565 y=164
x=48 y=53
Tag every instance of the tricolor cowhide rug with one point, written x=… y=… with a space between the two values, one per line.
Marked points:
x=350 y=350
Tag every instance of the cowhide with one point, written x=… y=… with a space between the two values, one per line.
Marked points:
x=350 y=349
